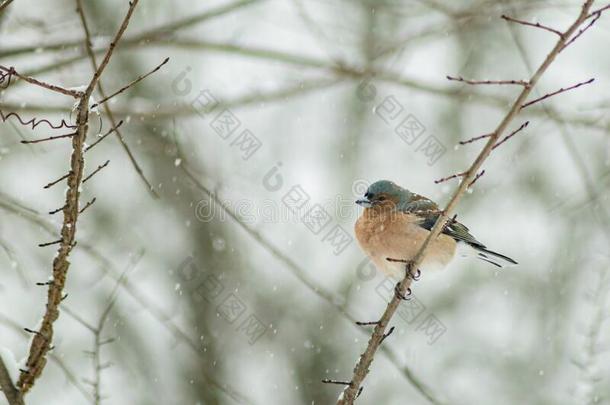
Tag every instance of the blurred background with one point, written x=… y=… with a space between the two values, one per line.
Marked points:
x=237 y=278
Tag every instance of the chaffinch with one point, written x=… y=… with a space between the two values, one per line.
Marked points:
x=395 y=223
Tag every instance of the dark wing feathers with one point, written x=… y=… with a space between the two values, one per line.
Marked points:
x=429 y=212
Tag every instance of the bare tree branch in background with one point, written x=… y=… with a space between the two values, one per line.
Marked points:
x=150 y=306
x=12 y=394
x=100 y=87
x=97 y=330
x=362 y=367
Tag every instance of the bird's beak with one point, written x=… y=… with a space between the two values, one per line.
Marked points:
x=364 y=202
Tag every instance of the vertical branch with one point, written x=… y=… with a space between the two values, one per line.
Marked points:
x=12 y=394
x=41 y=343
x=362 y=367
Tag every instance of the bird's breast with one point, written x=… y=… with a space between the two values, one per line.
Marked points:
x=398 y=236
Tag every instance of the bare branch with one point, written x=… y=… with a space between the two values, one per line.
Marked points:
x=100 y=167
x=500 y=82
x=599 y=10
x=329 y=381
x=444 y=179
x=48 y=86
x=51 y=138
x=101 y=138
x=90 y=203
x=477 y=177
x=595 y=16
x=387 y=334
x=57 y=210
x=474 y=139
x=133 y=83
x=507 y=137
x=561 y=90
x=51 y=184
x=55 y=242
x=536 y=25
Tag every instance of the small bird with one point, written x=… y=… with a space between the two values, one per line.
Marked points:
x=395 y=224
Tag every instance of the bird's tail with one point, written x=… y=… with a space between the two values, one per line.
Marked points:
x=495 y=258
x=482 y=253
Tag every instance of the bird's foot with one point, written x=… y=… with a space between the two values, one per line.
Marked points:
x=415 y=276
x=400 y=295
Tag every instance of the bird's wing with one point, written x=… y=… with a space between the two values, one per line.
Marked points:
x=418 y=204
x=428 y=212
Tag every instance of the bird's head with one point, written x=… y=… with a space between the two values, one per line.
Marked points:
x=384 y=194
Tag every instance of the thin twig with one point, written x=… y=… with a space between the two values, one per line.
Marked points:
x=536 y=25
x=595 y=16
x=599 y=10
x=100 y=167
x=329 y=381
x=101 y=138
x=477 y=177
x=133 y=83
x=51 y=184
x=97 y=330
x=475 y=82
x=363 y=365
x=367 y=323
x=453 y=176
x=561 y=90
x=474 y=139
x=55 y=242
x=51 y=138
x=48 y=86
x=387 y=334
x=507 y=137
x=57 y=210
x=90 y=203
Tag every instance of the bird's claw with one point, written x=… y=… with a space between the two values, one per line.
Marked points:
x=400 y=295
x=415 y=276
